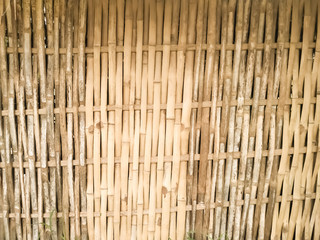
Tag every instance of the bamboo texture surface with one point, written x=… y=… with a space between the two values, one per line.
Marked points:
x=159 y=119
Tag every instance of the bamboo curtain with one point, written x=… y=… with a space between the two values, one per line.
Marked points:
x=159 y=119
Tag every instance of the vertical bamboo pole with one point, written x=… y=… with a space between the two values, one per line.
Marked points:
x=156 y=114
x=131 y=187
x=43 y=82
x=22 y=122
x=37 y=127
x=37 y=130
x=171 y=79
x=135 y=166
x=50 y=116
x=226 y=124
x=163 y=99
x=261 y=76
x=111 y=117
x=118 y=115
x=144 y=100
x=232 y=137
x=75 y=105
x=278 y=125
x=13 y=78
x=249 y=122
x=184 y=68
x=63 y=122
x=214 y=122
x=239 y=118
x=56 y=19
x=126 y=98
x=104 y=119
x=97 y=102
x=269 y=132
x=82 y=142
x=210 y=58
x=262 y=115
x=89 y=120
x=69 y=86
x=28 y=79
x=198 y=95
x=8 y=191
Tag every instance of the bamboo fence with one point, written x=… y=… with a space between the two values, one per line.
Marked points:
x=159 y=119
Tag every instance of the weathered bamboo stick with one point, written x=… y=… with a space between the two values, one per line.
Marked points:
x=30 y=120
x=168 y=5
x=75 y=103
x=13 y=80
x=261 y=76
x=214 y=123
x=89 y=120
x=50 y=116
x=135 y=166
x=126 y=121
x=280 y=60
x=104 y=119
x=234 y=133
x=8 y=193
x=43 y=120
x=157 y=38
x=227 y=131
x=69 y=102
x=111 y=116
x=171 y=81
x=262 y=114
x=97 y=121
x=239 y=118
x=81 y=77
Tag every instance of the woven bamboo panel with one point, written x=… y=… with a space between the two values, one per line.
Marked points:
x=159 y=119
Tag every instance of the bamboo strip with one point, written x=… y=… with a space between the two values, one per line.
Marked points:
x=97 y=121
x=89 y=121
x=75 y=102
x=81 y=77
x=126 y=121
x=104 y=120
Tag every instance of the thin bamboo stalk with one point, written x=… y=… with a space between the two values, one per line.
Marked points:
x=278 y=126
x=81 y=77
x=8 y=194
x=163 y=99
x=125 y=148
x=97 y=121
x=118 y=115
x=30 y=120
x=75 y=103
x=69 y=86
x=135 y=166
x=43 y=120
x=89 y=120
x=111 y=117
x=225 y=114
x=50 y=115
x=104 y=120
x=13 y=79
x=233 y=133
x=157 y=38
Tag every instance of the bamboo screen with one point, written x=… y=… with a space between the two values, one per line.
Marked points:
x=159 y=119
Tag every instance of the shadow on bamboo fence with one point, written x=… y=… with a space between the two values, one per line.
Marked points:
x=159 y=119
